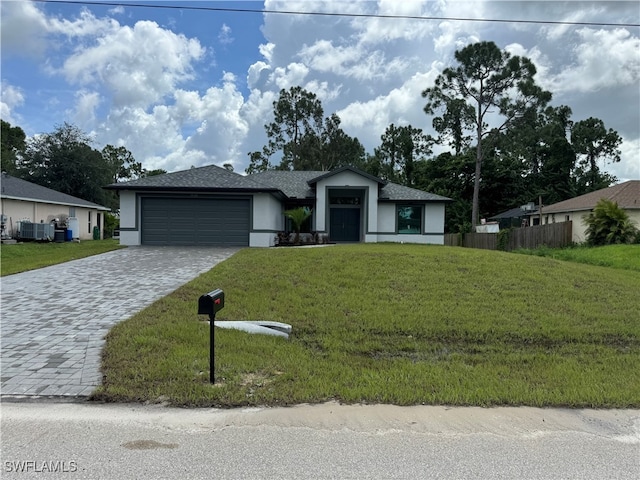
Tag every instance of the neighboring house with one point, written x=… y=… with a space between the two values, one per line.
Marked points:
x=213 y=206
x=626 y=195
x=26 y=201
x=513 y=218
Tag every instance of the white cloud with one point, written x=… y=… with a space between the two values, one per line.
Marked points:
x=224 y=35
x=289 y=76
x=86 y=25
x=630 y=168
x=138 y=65
x=11 y=98
x=402 y=106
x=119 y=10
x=603 y=59
x=85 y=109
x=23 y=29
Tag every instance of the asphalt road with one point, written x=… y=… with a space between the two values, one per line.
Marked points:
x=307 y=442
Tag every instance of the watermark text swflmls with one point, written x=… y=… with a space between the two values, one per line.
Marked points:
x=36 y=466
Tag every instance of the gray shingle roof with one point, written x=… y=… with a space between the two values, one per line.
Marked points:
x=394 y=192
x=626 y=195
x=209 y=178
x=293 y=184
x=18 y=189
x=513 y=213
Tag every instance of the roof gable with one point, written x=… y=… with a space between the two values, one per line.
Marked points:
x=346 y=168
x=18 y=189
x=626 y=195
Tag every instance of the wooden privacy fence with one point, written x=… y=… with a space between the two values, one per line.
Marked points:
x=552 y=235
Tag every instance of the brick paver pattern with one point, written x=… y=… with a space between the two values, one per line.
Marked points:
x=54 y=320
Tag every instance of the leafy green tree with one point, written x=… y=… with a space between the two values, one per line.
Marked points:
x=298 y=216
x=121 y=166
x=450 y=176
x=455 y=122
x=609 y=224
x=151 y=173
x=400 y=149
x=121 y=163
x=536 y=155
x=297 y=113
x=489 y=81
x=329 y=149
x=304 y=140
x=64 y=161
x=13 y=144
x=593 y=142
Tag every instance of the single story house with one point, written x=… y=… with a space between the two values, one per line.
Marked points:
x=214 y=206
x=626 y=195
x=24 y=201
x=514 y=217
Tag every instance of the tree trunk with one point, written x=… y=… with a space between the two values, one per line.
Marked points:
x=476 y=181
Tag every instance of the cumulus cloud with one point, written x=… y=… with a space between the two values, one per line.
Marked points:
x=87 y=102
x=11 y=98
x=603 y=59
x=139 y=65
x=23 y=29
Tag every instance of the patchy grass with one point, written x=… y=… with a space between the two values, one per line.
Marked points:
x=21 y=257
x=616 y=256
x=400 y=324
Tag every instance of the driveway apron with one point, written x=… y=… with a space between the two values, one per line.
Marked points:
x=54 y=319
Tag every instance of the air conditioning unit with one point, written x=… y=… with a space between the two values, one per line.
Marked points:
x=36 y=231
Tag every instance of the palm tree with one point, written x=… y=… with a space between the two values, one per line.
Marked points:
x=298 y=216
x=608 y=223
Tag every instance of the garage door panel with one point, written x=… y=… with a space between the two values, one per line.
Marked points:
x=189 y=221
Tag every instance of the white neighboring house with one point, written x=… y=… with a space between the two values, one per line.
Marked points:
x=213 y=206
x=26 y=201
x=626 y=195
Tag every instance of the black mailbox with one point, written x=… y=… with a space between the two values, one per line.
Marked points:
x=211 y=303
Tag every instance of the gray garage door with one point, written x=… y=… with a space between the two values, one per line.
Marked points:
x=195 y=221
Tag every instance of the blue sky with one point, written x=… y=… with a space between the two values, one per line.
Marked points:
x=182 y=88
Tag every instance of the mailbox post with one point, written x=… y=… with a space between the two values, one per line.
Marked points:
x=210 y=304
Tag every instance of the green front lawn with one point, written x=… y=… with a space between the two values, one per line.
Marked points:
x=400 y=324
x=616 y=256
x=21 y=257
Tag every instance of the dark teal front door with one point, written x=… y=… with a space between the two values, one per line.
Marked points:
x=344 y=225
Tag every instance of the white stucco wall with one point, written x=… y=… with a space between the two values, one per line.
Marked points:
x=267 y=220
x=267 y=213
x=434 y=218
x=433 y=225
x=347 y=180
x=128 y=214
x=387 y=218
x=38 y=212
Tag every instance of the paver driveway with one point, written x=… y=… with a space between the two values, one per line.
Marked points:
x=54 y=319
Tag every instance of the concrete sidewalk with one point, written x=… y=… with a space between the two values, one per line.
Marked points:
x=54 y=319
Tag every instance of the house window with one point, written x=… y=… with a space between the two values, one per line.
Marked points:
x=409 y=219
x=89 y=231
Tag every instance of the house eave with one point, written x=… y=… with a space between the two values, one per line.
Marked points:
x=51 y=202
